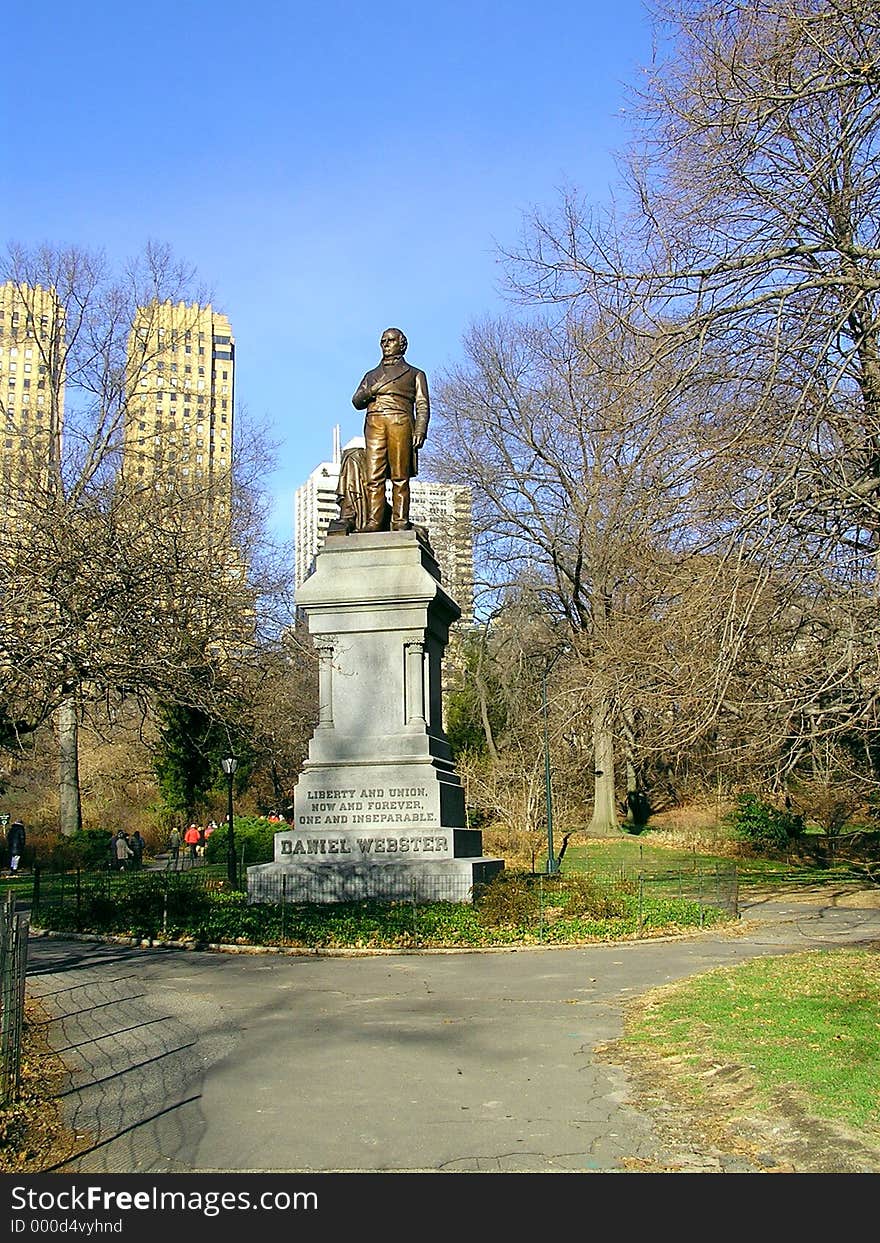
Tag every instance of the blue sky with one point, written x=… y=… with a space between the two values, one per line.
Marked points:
x=331 y=169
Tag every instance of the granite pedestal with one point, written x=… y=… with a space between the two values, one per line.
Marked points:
x=379 y=810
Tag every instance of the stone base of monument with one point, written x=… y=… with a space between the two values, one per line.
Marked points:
x=447 y=880
x=385 y=861
x=379 y=810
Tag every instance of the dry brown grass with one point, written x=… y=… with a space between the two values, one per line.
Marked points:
x=518 y=847
x=695 y=827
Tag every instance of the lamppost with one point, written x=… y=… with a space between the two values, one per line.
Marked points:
x=230 y=763
x=549 y=662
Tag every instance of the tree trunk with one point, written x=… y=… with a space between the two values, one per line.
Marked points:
x=637 y=806
x=604 y=821
x=69 y=806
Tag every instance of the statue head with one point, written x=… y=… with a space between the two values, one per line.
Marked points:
x=393 y=343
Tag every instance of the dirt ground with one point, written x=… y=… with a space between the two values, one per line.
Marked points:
x=728 y=1128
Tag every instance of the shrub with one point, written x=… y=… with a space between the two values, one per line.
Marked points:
x=522 y=899
x=583 y=897
x=510 y=898
x=89 y=849
x=253 y=834
x=763 y=826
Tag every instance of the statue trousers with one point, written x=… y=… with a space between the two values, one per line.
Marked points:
x=389 y=455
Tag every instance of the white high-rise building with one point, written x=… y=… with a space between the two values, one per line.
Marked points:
x=443 y=508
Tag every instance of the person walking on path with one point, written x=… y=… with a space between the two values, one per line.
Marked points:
x=191 y=837
x=174 y=840
x=123 y=851
x=137 y=844
x=15 y=844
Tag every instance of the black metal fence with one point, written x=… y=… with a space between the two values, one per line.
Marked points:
x=74 y=892
x=160 y=903
x=13 y=968
x=716 y=885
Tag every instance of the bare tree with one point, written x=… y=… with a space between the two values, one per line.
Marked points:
x=745 y=249
x=587 y=464
x=114 y=587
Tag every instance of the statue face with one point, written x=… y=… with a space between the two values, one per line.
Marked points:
x=393 y=343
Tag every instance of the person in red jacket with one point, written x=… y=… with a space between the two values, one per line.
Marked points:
x=191 y=837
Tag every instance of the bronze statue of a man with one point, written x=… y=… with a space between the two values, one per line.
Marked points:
x=395 y=397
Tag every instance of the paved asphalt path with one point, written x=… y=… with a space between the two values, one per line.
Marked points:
x=182 y=1061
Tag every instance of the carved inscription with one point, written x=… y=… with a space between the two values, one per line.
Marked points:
x=367 y=805
x=363 y=845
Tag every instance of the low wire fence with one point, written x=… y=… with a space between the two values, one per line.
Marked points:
x=14 y=927
x=716 y=885
x=165 y=902
x=74 y=893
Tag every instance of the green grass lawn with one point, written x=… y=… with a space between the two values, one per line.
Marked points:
x=807 y=1024
x=632 y=854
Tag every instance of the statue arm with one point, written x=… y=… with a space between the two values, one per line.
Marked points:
x=363 y=394
x=422 y=410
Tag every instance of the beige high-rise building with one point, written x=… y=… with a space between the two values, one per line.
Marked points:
x=31 y=387
x=443 y=508
x=179 y=415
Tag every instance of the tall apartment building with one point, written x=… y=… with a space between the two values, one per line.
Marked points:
x=445 y=509
x=179 y=416
x=31 y=386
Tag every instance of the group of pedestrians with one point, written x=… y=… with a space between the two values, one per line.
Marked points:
x=127 y=851
x=194 y=839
